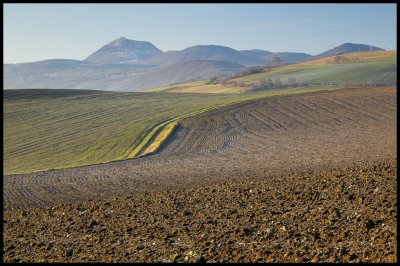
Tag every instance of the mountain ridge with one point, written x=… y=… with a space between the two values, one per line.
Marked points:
x=122 y=60
x=203 y=52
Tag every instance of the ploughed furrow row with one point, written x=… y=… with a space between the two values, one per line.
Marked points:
x=326 y=110
x=351 y=108
x=317 y=113
x=270 y=118
x=301 y=113
x=362 y=107
x=260 y=126
x=259 y=138
x=340 y=110
x=178 y=138
x=377 y=108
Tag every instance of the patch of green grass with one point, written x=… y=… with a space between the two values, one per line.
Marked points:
x=178 y=85
x=51 y=129
x=370 y=71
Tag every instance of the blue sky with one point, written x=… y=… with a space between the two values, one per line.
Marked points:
x=35 y=32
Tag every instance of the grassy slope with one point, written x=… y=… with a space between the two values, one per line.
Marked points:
x=45 y=129
x=364 y=67
x=372 y=67
x=50 y=129
x=179 y=85
x=361 y=56
x=364 y=72
x=196 y=87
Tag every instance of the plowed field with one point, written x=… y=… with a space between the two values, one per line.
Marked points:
x=307 y=177
x=273 y=135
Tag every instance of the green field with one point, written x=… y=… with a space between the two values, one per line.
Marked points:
x=51 y=129
x=363 y=72
x=373 y=68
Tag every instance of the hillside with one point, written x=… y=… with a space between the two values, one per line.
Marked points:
x=67 y=74
x=179 y=72
x=46 y=129
x=373 y=68
x=287 y=57
x=312 y=177
x=276 y=134
x=349 y=48
x=257 y=53
x=74 y=74
x=353 y=57
x=368 y=68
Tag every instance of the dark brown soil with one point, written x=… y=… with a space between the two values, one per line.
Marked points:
x=307 y=177
x=343 y=215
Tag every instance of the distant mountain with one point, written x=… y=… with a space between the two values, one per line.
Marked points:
x=75 y=74
x=257 y=53
x=286 y=57
x=123 y=50
x=349 y=48
x=128 y=65
x=203 y=52
x=66 y=74
x=180 y=72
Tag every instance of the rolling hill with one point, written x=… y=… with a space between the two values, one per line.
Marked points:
x=67 y=74
x=51 y=129
x=373 y=68
x=368 y=68
x=257 y=53
x=179 y=72
x=349 y=48
x=74 y=74
x=47 y=129
x=286 y=57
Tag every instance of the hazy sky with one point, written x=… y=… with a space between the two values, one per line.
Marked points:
x=35 y=32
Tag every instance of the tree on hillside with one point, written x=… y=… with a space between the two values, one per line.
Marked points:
x=276 y=61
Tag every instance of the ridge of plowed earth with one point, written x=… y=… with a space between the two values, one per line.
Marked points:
x=341 y=215
x=261 y=138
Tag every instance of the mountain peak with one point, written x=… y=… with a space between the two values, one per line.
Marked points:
x=119 y=41
x=123 y=50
